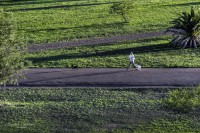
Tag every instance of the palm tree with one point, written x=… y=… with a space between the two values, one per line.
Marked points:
x=186 y=29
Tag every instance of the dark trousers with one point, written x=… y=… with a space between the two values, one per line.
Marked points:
x=130 y=63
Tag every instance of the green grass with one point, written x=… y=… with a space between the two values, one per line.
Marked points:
x=90 y=110
x=169 y=126
x=183 y=99
x=41 y=21
x=148 y=53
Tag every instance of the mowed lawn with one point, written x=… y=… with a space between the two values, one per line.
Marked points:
x=44 y=21
x=63 y=110
x=155 y=52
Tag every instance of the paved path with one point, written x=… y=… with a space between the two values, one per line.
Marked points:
x=96 y=41
x=107 y=77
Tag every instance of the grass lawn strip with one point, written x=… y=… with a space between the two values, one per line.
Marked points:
x=91 y=110
x=154 y=53
x=54 y=21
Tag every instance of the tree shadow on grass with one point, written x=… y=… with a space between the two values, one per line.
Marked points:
x=29 y=2
x=98 y=26
x=185 y=4
x=97 y=53
x=4 y=1
x=56 y=7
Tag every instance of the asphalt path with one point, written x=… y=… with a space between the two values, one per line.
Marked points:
x=97 y=41
x=111 y=77
x=108 y=77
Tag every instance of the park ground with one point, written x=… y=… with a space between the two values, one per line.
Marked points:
x=99 y=110
x=119 y=109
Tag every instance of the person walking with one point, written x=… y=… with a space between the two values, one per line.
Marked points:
x=131 y=60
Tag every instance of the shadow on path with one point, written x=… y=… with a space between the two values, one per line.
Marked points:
x=75 y=76
x=111 y=77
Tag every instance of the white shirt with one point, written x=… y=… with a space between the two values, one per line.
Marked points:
x=131 y=58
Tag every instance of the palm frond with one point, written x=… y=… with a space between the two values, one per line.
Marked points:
x=185 y=42
x=186 y=29
x=195 y=43
x=177 y=31
x=190 y=43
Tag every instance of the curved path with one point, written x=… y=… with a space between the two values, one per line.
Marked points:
x=95 y=41
x=112 y=77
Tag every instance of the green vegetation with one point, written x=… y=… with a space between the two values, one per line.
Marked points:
x=186 y=29
x=98 y=110
x=122 y=9
x=62 y=20
x=11 y=50
x=148 y=53
x=169 y=126
x=183 y=99
x=91 y=110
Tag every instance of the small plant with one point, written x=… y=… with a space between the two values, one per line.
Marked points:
x=121 y=8
x=186 y=29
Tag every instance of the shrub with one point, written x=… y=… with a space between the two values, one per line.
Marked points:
x=121 y=8
x=12 y=61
